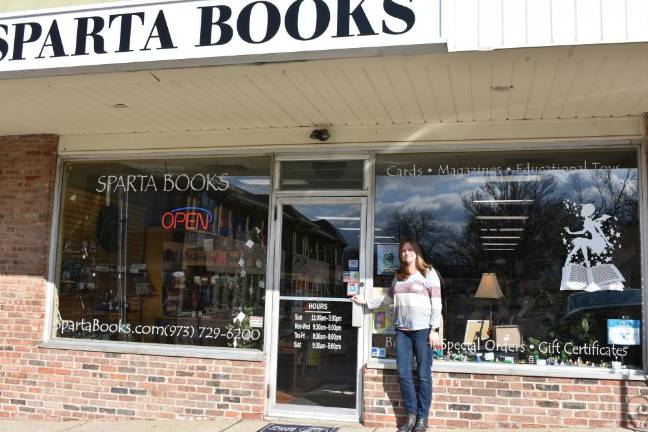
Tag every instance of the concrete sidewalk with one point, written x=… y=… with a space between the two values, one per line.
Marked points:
x=224 y=425
x=220 y=425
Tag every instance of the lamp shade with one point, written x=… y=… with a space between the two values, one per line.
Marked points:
x=489 y=287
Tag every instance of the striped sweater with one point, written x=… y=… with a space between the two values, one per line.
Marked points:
x=416 y=300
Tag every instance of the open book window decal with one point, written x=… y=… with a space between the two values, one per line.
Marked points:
x=588 y=265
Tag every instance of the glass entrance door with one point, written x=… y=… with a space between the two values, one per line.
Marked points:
x=319 y=263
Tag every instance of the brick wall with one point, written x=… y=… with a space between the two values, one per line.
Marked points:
x=56 y=384
x=503 y=401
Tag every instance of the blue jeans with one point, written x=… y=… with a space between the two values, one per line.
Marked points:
x=410 y=344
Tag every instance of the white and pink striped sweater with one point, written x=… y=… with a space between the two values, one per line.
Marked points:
x=416 y=300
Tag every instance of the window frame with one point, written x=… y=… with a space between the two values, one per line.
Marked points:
x=641 y=148
x=49 y=337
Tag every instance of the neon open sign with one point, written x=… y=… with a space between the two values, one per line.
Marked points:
x=191 y=218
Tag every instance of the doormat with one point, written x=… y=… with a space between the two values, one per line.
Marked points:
x=275 y=427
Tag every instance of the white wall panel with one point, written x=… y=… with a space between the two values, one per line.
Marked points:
x=588 y=21
x=563 y=21
x=471 y=25
x=490 y=20
x=538 y=19
x=614 y=20
x=498 y=24
x=465 y=31
x=637 y=17
x=513 y=23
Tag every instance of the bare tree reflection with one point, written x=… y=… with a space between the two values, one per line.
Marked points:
x=426 y=228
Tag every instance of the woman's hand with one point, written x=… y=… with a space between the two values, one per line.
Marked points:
x=358 y=300
x=434 y=339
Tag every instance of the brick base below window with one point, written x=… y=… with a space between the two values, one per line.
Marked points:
x=504 y=401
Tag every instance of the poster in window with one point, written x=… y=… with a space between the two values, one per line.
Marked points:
x=383 y=317
x=624 y=332
x=387 y=261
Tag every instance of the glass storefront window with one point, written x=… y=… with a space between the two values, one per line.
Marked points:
x=322 y=175
x=165 y=251
x=539 y=252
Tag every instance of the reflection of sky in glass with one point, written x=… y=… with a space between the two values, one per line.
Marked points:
x=345 y=218
x=253 y=185
x=527 y=253
x=441 y=195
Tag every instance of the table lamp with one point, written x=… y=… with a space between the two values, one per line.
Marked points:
x=489 y=288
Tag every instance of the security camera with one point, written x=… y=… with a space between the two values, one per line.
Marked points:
x=320 y=134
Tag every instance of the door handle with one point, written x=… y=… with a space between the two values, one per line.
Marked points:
x=357 y=311
x=357 y=315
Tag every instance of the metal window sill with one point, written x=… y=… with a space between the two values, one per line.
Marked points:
x=523 y=370
x=154 y=349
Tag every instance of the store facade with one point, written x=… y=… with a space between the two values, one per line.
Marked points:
x=198 y=264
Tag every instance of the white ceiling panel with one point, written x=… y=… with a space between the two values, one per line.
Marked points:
x=547 y=83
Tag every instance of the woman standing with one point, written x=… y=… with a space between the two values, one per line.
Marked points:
x=416 y=295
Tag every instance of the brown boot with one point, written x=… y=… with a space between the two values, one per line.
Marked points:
x=409 y=423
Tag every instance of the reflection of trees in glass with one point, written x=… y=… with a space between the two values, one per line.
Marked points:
x=426 y=228
x=616 y=192
x=528 y=269
x=536 y=200
x=530 y=274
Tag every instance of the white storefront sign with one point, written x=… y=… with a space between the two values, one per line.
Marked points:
x=213 y=32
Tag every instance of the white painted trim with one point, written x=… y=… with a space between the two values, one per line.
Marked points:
x=155 y=349
x=523 y=370
x=273 y=353
x=319 y=193
x=270 y=288
x=298 y=157
x=579 y=143
x=356 y=138
x=52 y=268
x=370 y=179
x=277 y=409
x=316 y=299
x=642 y=164
x=322 y=413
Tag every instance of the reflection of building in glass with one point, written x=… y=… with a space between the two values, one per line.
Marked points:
x=134 y=268
x=314 y=256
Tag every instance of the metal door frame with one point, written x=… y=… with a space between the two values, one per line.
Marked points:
x=323 y=413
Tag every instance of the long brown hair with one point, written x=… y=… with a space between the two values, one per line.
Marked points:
x=421 y=265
